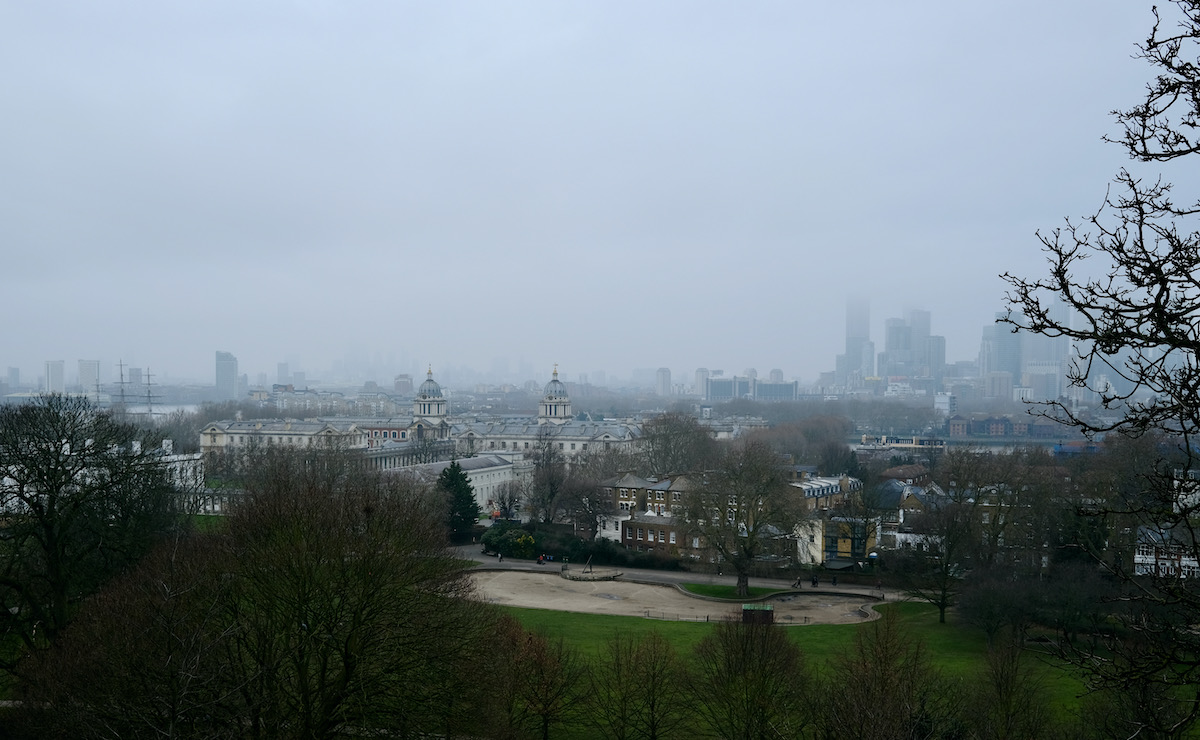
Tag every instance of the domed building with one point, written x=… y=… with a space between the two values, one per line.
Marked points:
x=555 y=425
x=555 y=407
x=429 y=411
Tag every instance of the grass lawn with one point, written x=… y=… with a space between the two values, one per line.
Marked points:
x=956 y=649
x=206 y=523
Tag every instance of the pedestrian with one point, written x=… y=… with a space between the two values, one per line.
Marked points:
x=501 y=558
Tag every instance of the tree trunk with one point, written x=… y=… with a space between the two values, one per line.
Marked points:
x=743 y=584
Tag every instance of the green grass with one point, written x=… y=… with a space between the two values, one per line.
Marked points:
x=717 y=591
x=955 y=649
x=207 y=523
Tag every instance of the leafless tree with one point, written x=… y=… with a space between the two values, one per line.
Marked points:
x=676 y=443
x=549 y=478
x=543 y=686
x=1128 y=281
x=750 y=681
x=639 y=689
x=743 y=508
x=327 y=604
x=885 y=688
x=509 y=497
x=83 y=498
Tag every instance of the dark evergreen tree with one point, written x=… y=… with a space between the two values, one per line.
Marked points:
x=463 y=511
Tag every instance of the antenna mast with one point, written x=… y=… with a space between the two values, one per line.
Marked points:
x=121 y=386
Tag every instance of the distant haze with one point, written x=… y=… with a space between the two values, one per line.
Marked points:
x=377 y=187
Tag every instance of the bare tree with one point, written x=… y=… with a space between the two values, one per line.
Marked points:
x=1128 y=281
x=933 y=571
x=1009 y=699
x=543 y=686
x=145 y=658
x=583 y=500
x=83 y=498
x=509 y=497
x=638 y=689
x=885 y=688
x=676 y=443
x=750 y=681
x=744 y=508
x=549 y=477
x=327 y=604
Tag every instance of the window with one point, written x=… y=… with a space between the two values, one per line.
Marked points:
x=695 y=543
x=560 y=445
x=659 y=495
x=629 y=533
x=585 y=446
x=650 y=535
x=662 y=536
x=672 y=538
x=641 y=533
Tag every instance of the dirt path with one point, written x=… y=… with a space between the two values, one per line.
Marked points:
x=551 y=591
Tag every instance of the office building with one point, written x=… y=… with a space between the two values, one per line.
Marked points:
x=227 y=376
x=89 y=378
x=54 y=381
x=662 y=381
x=858 y=361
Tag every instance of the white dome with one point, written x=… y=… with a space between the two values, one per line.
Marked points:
x=430 y=388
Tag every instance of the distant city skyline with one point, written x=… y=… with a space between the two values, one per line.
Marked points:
x=906 y=346
x=369 y=188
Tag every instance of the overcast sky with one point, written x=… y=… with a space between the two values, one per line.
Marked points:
x=603 y=185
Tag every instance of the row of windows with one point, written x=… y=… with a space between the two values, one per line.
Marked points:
x=376 y=433
x=504 y=445
x=648 y=535
x=658 y=495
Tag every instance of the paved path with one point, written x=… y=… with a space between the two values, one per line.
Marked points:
x=653 y=593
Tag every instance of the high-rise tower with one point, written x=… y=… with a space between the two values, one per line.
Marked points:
x=55 y=382
x=227 y=376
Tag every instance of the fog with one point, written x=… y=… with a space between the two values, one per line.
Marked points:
x=378 y=187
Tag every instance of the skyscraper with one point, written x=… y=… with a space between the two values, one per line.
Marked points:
x=89 y=378
x=227 y=376
x=662 y=381
x=858 y=362
x=55 y=382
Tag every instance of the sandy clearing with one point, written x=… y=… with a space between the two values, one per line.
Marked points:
x=622 y=598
